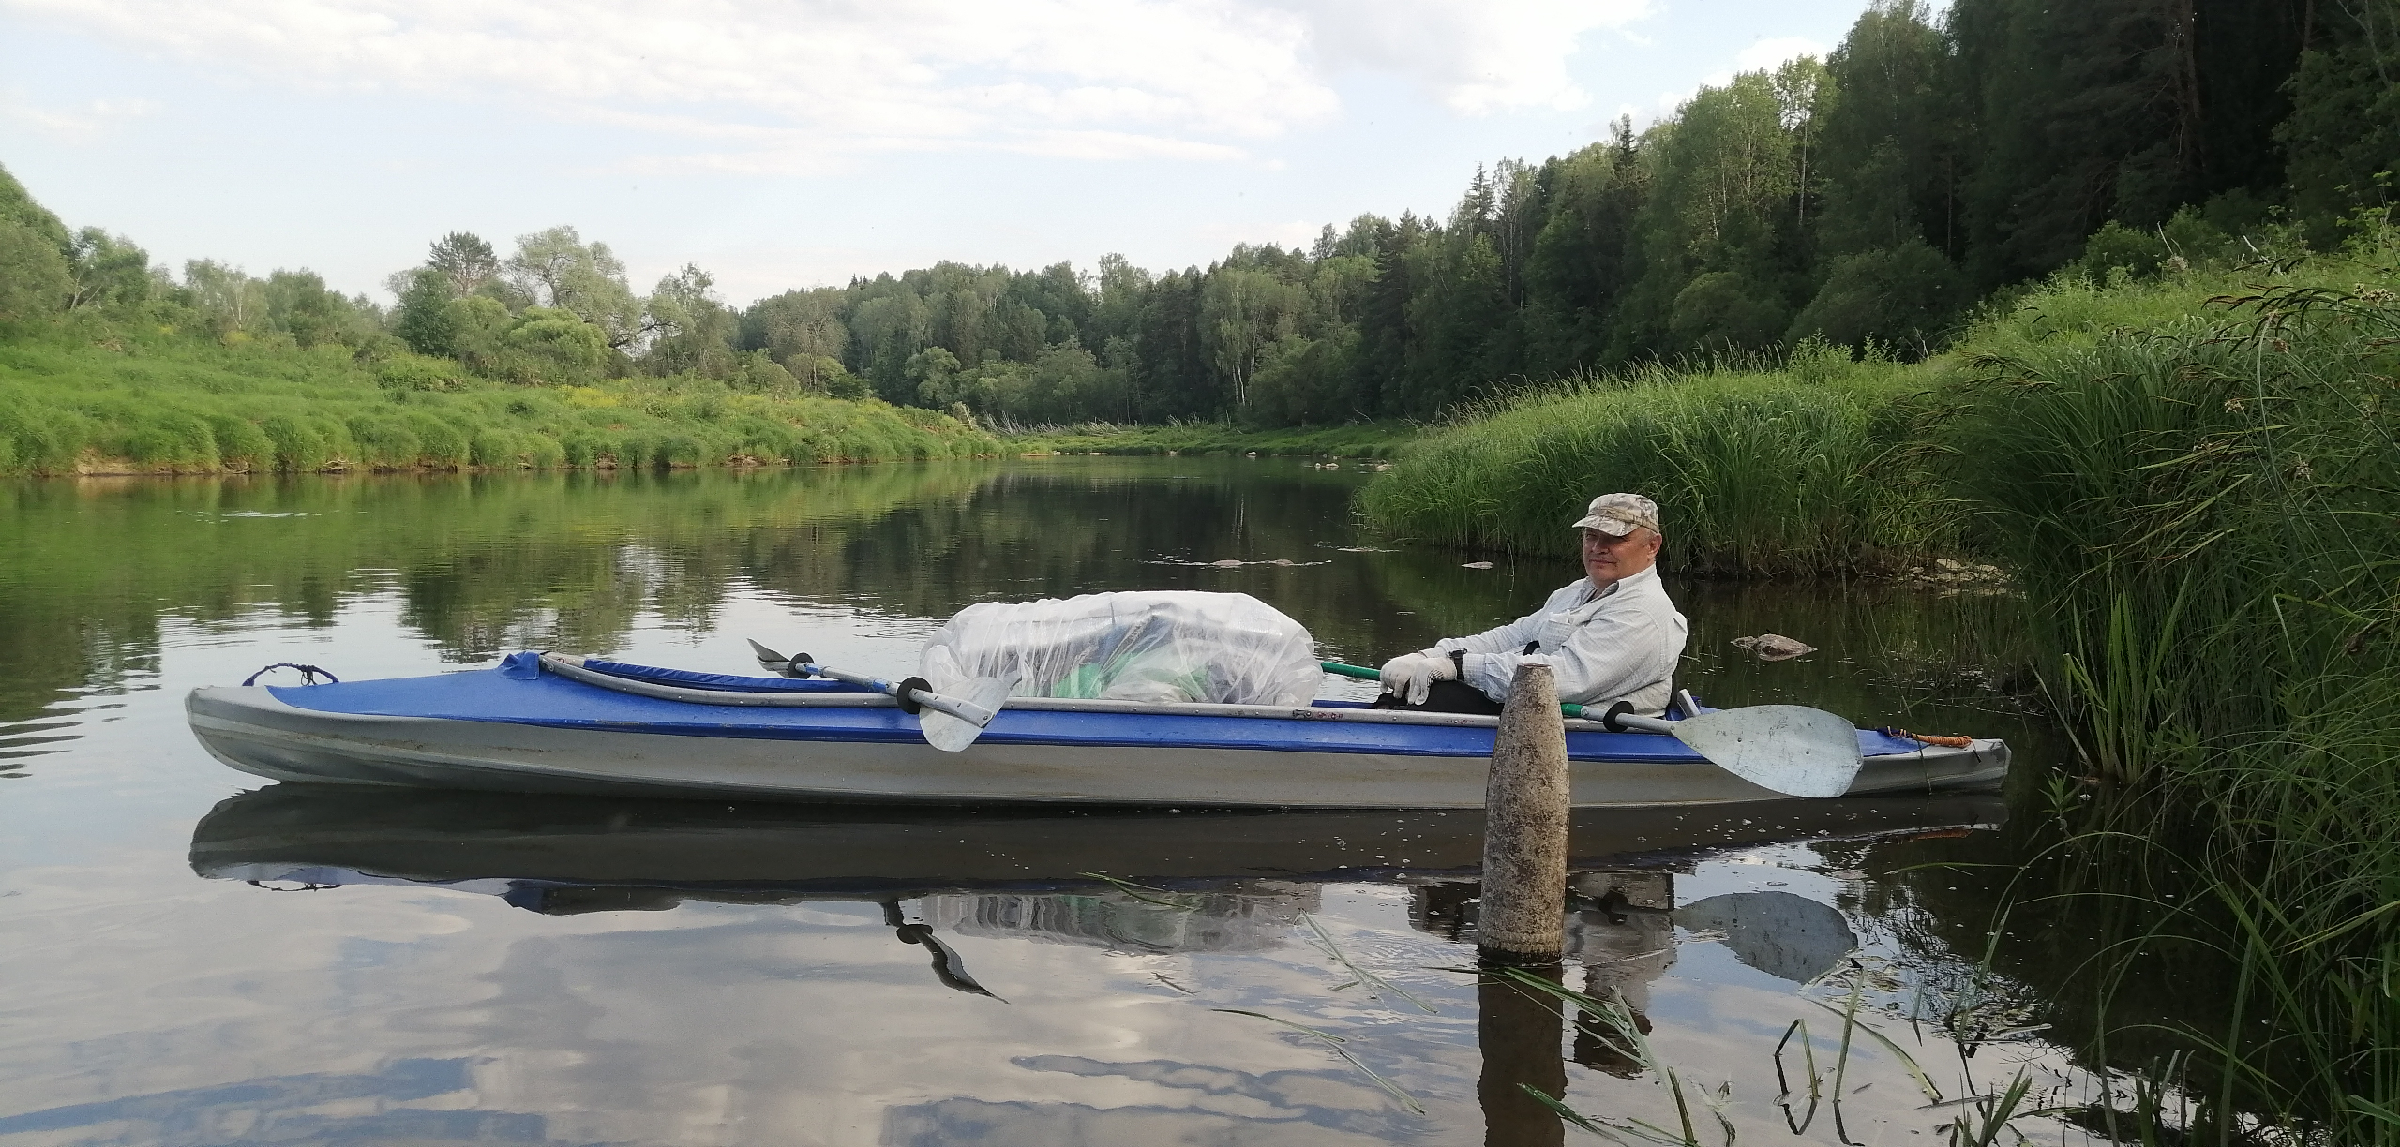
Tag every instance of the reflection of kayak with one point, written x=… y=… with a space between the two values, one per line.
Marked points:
x=339 y=834
x=492 y=730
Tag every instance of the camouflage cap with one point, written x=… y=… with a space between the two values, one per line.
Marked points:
x=1618 y=514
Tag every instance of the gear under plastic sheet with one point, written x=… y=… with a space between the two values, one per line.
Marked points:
x=1159 y=646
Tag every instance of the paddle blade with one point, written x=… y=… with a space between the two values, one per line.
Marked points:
x=770 y=660
x=1790 y=749
x=950 y=734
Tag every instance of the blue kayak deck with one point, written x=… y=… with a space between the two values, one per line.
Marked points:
x=556 y=702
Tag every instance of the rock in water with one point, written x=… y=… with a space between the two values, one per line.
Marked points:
x=1773 y=646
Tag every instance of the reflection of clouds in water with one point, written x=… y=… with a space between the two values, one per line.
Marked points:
x=741 y=1023
x=709 y=1024
x=300 y=1108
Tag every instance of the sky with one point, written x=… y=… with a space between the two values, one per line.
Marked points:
x=797 y=143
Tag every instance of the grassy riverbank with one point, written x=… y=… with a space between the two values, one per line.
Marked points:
x=2195 y=481
x=2205 y=509
x=1362 y=440
x=186 y=406
x=1802 y=469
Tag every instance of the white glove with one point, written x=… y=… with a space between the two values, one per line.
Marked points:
x=1410 y=676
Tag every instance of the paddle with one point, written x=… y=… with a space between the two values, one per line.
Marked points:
x=949 y=723
x=1790 y=749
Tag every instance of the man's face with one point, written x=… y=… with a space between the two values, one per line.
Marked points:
x=1607 y=558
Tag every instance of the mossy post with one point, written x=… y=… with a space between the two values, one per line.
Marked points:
x=1525 y=828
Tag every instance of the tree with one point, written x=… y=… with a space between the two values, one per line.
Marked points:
x=108 y=270
x=935 y=371
x=691 y=330
x=557 y=269
x=1583 y=260
x=553 y=345
x=797 y=324
x=1241 y=311
x=34 y=278
x=17 y=206
x=298 y=305
x=2343 y=135
x=229 y=301
x=423 y=319
x=465 y=260
x=1900 y=296
x=1725 y=310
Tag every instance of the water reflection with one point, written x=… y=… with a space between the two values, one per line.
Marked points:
x=765 y=853
x=469 y=968
x=1131 y=883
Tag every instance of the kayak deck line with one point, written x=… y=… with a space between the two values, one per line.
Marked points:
x=575 y=669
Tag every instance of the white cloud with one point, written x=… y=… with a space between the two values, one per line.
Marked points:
x=76 y=122
x=1763 y=55
x=1478 y=58
x=783 y=82
x=1770 y=53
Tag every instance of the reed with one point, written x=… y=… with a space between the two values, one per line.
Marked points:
x=181 y=408
x=1812 y=468
x=2205 y=510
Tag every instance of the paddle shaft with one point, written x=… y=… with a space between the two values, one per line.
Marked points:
x=975 y=715
x=1362 y=673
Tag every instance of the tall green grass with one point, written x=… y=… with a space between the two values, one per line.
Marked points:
x=2205 y=509
x=1811 y=468
x=183 y=407
x=2195 y=482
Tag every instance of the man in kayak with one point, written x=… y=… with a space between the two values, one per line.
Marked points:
x=1611 y=636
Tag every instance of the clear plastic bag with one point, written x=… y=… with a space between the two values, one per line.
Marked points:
x=1142 y=645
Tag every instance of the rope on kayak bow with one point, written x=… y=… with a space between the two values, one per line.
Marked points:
x=1928 y=739
x=308 y=673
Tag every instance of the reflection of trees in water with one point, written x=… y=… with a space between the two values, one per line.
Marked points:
x=484 y=563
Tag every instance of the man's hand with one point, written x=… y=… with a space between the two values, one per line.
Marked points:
x=1410 y=676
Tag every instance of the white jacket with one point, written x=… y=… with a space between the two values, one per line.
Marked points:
x=1619 y=646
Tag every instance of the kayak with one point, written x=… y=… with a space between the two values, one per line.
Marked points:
x=585 y=726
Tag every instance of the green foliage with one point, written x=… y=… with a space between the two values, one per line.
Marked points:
x=2198 y=498
x=1759 y=472
x=1861 y=199
x=2343 y=134
x=1366 y=440
x=1896 y=296
x=170 y=406
x=34 y=279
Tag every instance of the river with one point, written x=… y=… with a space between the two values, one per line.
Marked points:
x=196 y=957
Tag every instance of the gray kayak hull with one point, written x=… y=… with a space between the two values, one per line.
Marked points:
x=251 y=730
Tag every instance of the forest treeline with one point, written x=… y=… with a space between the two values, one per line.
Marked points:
x=1868 y=198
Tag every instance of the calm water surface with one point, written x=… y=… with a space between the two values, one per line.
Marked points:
x=196 y=958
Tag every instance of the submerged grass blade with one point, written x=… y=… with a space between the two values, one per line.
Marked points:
x=1851 y=1022
x=1335 y=1042
x=1325 y=941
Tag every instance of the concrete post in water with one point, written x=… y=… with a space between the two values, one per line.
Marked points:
x=1525 y=828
